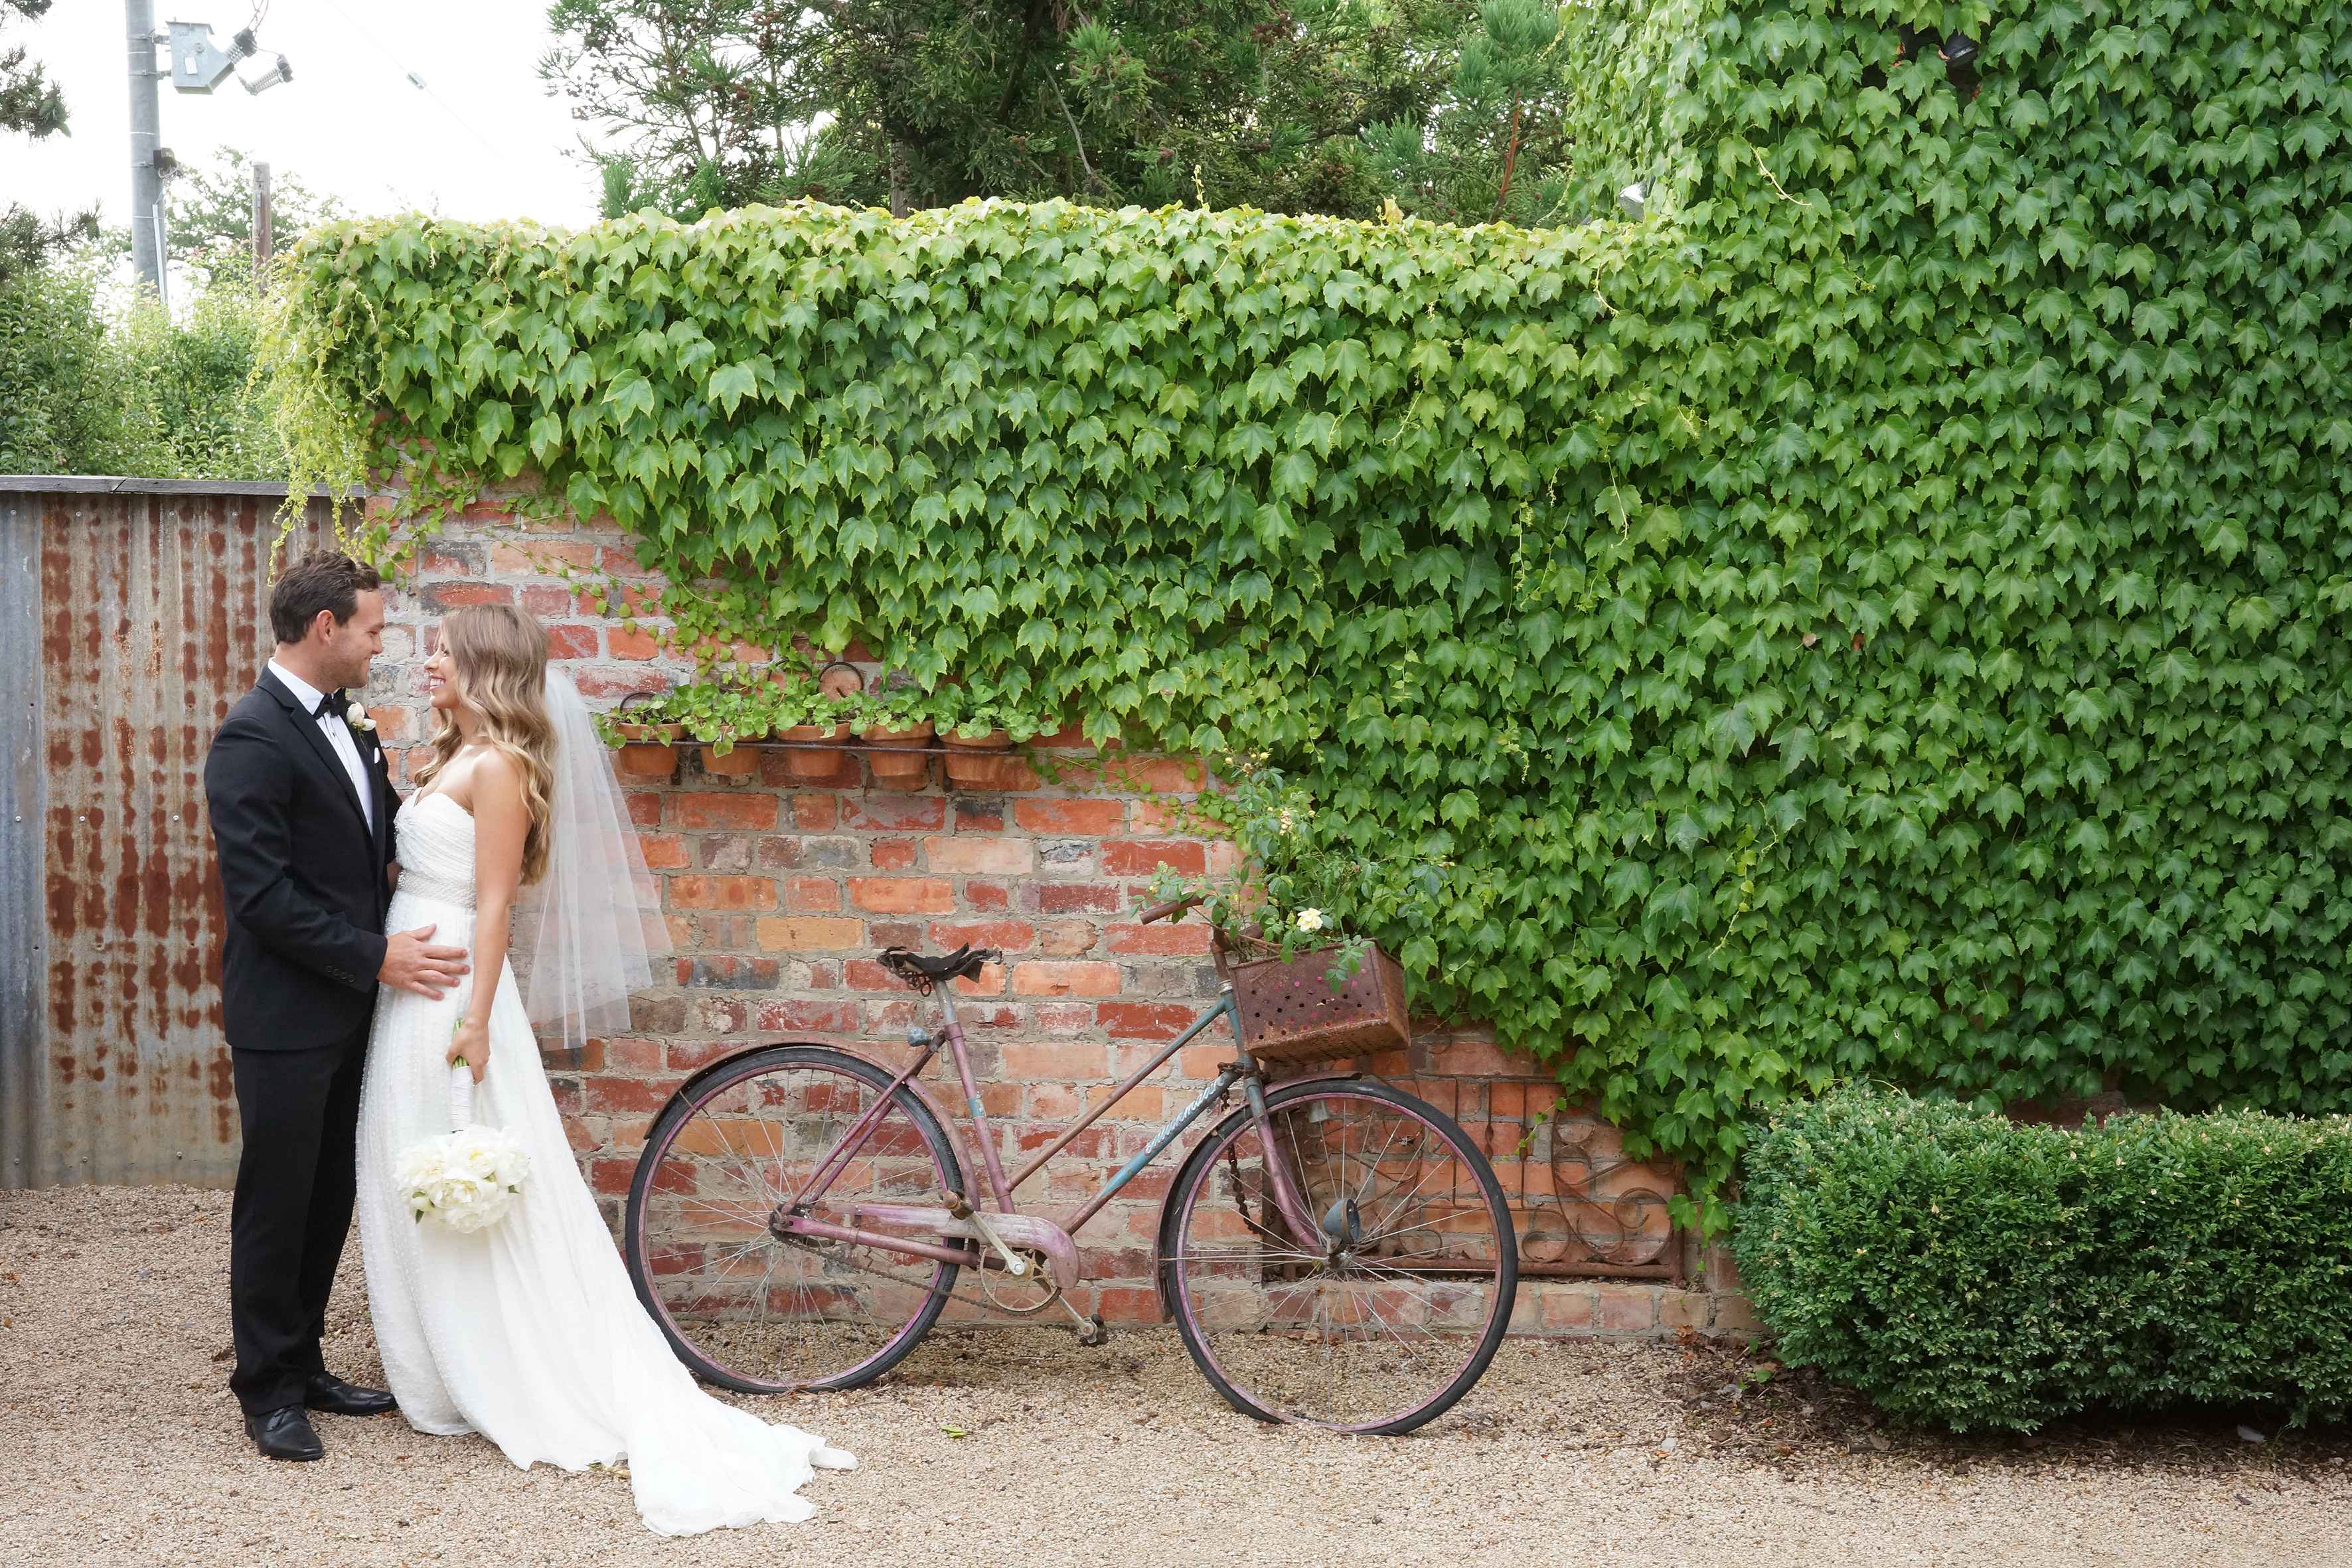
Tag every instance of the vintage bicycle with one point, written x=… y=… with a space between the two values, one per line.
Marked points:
x=1334 y=1251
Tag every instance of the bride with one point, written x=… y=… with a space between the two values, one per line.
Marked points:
x=529 y=1332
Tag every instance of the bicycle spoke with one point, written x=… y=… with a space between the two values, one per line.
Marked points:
x=1396 y=1207
x=1371 y=1305
x=718 y=1264
x=776 y=1189
x=758 y=1218
x=1405 y=1230
x=1373 y=1170
x=767 y=1277
x=1210 y=1254
x=1298 y=1168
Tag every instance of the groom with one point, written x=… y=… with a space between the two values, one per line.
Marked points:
x=301 y=808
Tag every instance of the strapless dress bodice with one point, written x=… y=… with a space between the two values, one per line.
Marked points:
x=435 y=837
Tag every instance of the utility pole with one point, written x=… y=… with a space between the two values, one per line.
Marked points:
x=197 y=65
x=146 y=141
x=261 y=236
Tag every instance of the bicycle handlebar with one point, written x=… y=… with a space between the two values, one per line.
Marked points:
x=1172 y=906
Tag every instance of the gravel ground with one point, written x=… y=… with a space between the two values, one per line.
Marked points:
x=119 y=1443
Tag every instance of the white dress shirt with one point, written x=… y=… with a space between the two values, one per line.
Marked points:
x=338 y=732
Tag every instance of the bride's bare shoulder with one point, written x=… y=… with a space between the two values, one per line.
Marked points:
x=491 y=782
x=496 y=779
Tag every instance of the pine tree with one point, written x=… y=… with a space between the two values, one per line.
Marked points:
x=31 y=106
x=1495 y=146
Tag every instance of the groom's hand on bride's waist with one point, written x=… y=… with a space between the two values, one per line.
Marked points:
x=411 y=963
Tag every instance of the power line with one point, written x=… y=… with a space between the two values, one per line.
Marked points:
x=415 y=79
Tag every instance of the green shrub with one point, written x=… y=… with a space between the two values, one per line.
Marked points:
x=94 y=381
x=191 y=408
x=61 y=403
x=1964 y=1270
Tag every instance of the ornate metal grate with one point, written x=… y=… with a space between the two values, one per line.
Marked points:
x=1580 y=1206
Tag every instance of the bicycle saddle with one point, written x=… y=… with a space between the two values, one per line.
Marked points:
x=964 y=964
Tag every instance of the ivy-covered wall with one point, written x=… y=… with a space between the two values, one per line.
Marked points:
x=1882 y=612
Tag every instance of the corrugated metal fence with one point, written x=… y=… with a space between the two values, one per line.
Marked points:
x=133 y=613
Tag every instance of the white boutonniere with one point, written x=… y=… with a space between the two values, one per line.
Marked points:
x=357 y=718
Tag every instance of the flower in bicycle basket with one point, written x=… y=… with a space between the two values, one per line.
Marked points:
x=1310 y=919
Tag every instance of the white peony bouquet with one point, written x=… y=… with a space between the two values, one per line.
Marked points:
x=466 y=1180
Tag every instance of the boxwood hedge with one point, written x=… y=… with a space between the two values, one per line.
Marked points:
x=1967 y=1271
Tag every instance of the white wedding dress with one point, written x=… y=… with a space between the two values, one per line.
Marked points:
x=529 y=1332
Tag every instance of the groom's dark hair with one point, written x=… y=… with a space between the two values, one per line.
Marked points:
x=328 y=580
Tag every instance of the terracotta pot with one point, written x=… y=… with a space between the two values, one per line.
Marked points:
x=649 y=751
x=740 y=763
x=900 y=758
x=981 y=761
x=813 y=764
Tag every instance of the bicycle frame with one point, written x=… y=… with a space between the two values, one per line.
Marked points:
x=1008 y=1227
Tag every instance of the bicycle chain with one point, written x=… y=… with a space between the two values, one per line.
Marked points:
x=1241 y=1197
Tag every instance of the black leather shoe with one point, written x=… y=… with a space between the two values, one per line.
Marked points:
x=330 y=1394
x=284 y=1433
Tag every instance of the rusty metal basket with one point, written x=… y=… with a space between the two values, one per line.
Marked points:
x=1290 y=1015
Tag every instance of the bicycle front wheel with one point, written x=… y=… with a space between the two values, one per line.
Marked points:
x=743 y=1308
x=1391 y=1309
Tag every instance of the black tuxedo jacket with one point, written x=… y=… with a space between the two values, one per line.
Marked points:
x=303 y=874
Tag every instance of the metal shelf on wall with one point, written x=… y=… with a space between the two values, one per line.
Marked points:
x=929 y=748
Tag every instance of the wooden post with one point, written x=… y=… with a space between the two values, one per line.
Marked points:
x=261 y=236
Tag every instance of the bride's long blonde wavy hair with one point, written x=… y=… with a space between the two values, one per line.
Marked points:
x=497 y=664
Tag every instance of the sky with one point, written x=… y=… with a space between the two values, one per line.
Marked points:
x=485 y=141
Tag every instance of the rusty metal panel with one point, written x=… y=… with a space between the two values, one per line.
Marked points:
x=22 y=1038
x=120 y=484
x=153 y=619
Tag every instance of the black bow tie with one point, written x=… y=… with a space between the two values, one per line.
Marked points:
x=332 y=702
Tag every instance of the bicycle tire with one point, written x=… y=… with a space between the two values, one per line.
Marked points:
x=1200 y=1165
x=699 y=1091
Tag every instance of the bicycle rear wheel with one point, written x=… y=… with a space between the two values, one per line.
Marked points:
x=1391 y=1310
x=741 y=1308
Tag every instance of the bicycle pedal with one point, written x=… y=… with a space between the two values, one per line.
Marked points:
x=1094 y=1334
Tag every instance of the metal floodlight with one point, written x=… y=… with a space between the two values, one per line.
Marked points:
x=197 y=65
x=1959 y=49
x=1634 y=198
x=281 y=72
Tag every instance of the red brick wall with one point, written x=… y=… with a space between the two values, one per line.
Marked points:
x=779 y=891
